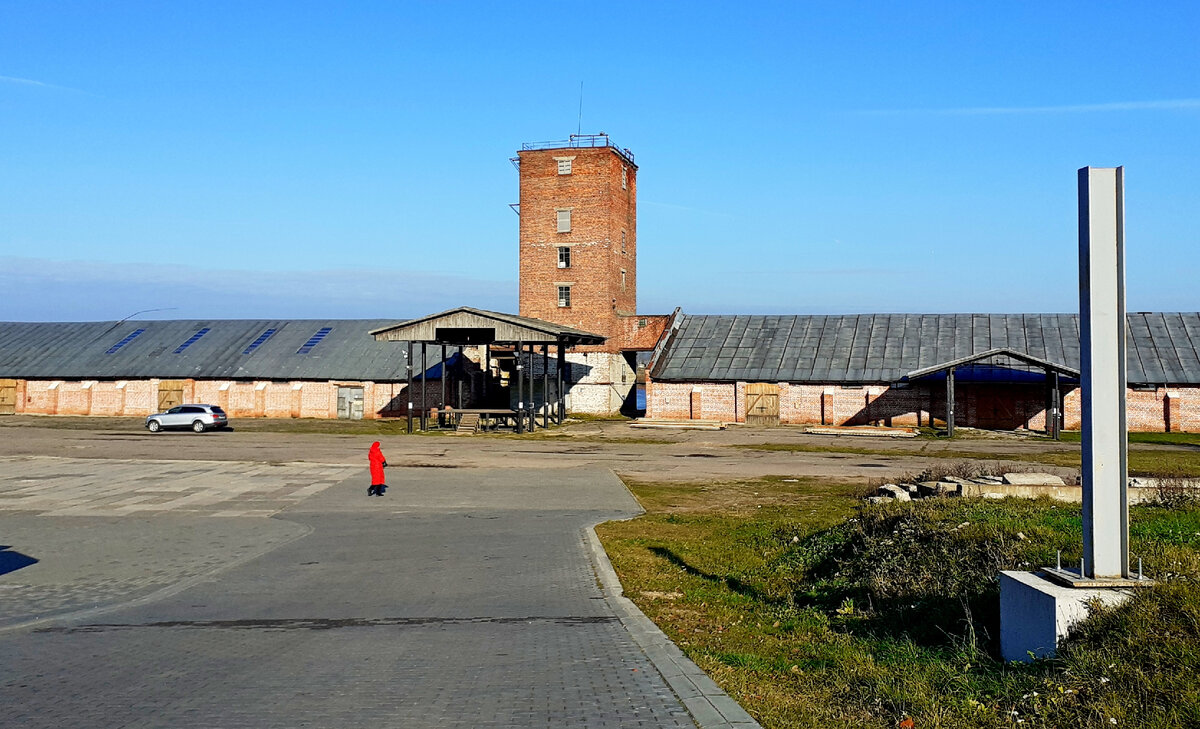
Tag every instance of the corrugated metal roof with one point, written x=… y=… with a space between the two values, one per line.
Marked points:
x=1163 y=348
x=527 y=328
x=77 y=350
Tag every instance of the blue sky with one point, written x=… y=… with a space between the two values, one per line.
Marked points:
x=291 y=159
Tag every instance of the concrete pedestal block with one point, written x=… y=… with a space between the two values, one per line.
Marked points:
x=1035 y=613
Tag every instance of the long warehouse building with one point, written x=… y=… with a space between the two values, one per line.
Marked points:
x=1005 y=371
x=251 y=368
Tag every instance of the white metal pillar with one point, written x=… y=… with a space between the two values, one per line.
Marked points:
x=1102 y=371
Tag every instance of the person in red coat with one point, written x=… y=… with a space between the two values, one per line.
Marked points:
x=378 y=463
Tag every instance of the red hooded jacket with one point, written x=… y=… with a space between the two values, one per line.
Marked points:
x=375 y=456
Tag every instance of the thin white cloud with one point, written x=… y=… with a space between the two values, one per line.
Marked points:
x=45 y=290
x=39 y=84
x=1159 y=105
x=24 y=81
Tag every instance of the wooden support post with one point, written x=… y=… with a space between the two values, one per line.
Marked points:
x=552 y=403
x=1056 y=399
x=950 y=403
x=487 y=374
x=545 y=385
x=461 y=403
x=408 y=391
x=562 y=394
x=519 y=374
x=1048 y=400
x=529 y=410
x=424 y=410
x=445 y=374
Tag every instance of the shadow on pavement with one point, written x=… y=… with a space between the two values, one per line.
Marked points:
x=12 y=561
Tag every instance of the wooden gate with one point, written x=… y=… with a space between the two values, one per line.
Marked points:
x=999 y=407
x=170 y=394
x=762 y=403
x=8 y=397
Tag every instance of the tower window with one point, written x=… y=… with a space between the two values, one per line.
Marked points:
x=564 y=165
x=564 y=257
x=564 y=221
x=622 y=279
x=622 y=241
x=624 y=178
x=564 y=295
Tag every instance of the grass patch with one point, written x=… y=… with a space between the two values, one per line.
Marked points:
x=813 y=448
x=1176 y=439
x=600 y=418
x=1142 y=461
x=1059 y=457
x=1152 y=462
x=73 y=422
x=812 y=610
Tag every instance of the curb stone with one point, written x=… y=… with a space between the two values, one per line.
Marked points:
x=710 y=707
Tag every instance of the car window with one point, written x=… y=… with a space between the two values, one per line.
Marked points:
x=216 y=409
x=193 y=410
x=175 y=410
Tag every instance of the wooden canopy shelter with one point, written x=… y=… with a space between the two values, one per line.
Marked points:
x=1054 y=373
x=466 y=326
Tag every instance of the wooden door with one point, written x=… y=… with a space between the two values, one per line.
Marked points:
x=996 y=407
x=762 y=403
x=8 y=397
x=170 y=394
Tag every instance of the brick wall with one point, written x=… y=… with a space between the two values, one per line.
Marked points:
x=1006 y=407
x=240 y=399
x=686 y=401
x=602 y=382
x=642 y=332
x=601 y=210
x=598 y=383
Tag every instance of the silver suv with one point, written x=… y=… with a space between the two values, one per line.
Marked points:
x=197 y=417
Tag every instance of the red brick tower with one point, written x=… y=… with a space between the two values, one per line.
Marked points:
x=578 y=237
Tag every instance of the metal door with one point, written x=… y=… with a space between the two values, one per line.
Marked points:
x=8 y=397
x=350 y=403
x=170 y=394
x=762 y=403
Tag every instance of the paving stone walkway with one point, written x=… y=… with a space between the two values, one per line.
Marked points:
x=87 y=487
x=463 y=598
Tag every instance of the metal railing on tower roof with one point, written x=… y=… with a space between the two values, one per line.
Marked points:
x=581 y=140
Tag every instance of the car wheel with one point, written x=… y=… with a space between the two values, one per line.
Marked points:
x=198 y=426
x=154 y=426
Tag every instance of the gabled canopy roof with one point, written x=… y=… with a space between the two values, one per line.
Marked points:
x=465 y=325
x=1002 y=351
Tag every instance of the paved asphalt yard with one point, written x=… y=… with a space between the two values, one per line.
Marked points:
x=149 y=593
